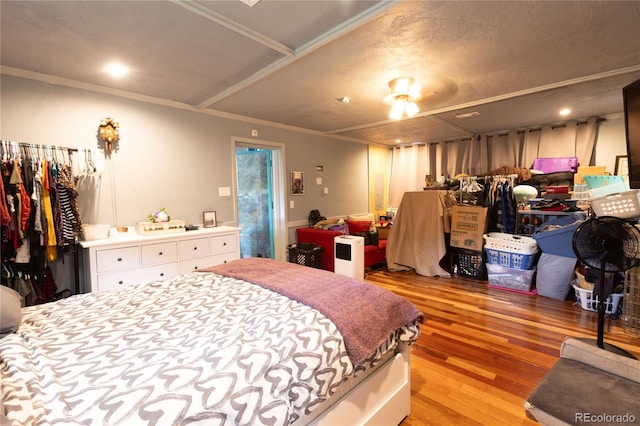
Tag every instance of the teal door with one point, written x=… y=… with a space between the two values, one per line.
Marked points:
x=255 y=201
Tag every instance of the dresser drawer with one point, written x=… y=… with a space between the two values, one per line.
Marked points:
x=159 y=253
x=224 y=244
x=191 y=265
x=115 y=280
x=197 y=247
x=117 y=259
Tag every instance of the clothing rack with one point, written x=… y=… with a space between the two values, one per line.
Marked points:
x=12 y=149
x=475 y=183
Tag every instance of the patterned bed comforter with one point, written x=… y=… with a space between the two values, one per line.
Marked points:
x=201 y=348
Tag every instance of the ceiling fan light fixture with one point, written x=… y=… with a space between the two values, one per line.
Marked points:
x=411 y=108
x=403 y=97
x=397 y=109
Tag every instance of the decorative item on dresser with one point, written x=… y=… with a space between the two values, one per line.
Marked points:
x=132 y=259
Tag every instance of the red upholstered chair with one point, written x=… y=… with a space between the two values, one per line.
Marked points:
x=373 y=254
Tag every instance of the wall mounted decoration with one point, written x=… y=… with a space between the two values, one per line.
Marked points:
x=109 y=132
x=622 y=166
x=297 y=183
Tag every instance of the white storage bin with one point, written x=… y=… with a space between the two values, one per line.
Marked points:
x=623 y=204
x=589 y=302
x=509 y=278
x=511 y=243
x=95 y=232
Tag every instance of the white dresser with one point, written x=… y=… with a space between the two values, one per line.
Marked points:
x=131 y=258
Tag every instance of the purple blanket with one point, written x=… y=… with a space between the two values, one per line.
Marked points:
x=364 y=314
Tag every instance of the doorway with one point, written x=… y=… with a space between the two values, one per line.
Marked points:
x=259 y=199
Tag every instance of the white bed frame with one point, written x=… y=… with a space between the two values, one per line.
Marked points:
x=383 y=398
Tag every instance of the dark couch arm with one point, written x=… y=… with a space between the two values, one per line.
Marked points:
x=323 y=238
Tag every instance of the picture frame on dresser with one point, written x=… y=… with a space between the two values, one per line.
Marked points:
x=209 y=219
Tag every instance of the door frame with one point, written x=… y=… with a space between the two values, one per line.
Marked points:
x=279 y=182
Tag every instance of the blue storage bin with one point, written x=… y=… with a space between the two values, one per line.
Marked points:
x=510 y=259
x=556 y=236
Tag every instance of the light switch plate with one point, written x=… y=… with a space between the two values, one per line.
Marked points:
x=224 y=191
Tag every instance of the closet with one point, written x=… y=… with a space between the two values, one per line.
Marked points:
x=39 y=216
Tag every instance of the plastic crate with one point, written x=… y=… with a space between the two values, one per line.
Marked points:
x=631 y=305
x=510 y=259
x=601 y=181
x=305 y=254
x=508 y=278
x=609 y=189
x=623 y=204
x=589 y=302
x=556 y=164
x=556 y=236
x=470 y=264
x=510 y=243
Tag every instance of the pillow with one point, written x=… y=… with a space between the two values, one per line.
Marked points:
x=325 y=223
x=10 y=311
x=358 y=226
x=364 y=216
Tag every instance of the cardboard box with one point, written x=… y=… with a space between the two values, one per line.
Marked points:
x=468 y=225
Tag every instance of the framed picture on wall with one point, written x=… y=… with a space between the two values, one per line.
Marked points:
x=297 y=183
x=209 y=219
x=622 y=166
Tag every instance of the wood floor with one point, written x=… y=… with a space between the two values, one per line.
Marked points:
x=482 y=351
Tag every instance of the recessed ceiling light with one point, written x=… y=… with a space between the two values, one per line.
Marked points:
x=565 y=111
x=115 y=69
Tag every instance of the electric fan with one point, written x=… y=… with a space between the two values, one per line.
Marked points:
x=611 y=245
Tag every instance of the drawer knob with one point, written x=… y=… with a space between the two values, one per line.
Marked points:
x=119 y=259
x=195 y=267
x=224 y=244
x=162 y=274
x=195 y=248
x=120 y=282
x=160 y=254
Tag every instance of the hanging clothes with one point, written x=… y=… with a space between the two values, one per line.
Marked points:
x=502 y=205
x=50 y=233
x=5 y=217
x=68 y=196
x=39 y=216
x=23 y=204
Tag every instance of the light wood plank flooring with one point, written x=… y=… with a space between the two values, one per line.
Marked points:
x=483 y=351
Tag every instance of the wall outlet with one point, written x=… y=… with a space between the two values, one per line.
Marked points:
x=224 y=191
x=292 y=204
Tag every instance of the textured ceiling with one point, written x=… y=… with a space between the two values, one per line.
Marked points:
x=286 y=62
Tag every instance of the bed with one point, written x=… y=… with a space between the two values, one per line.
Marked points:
x=253 y=341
